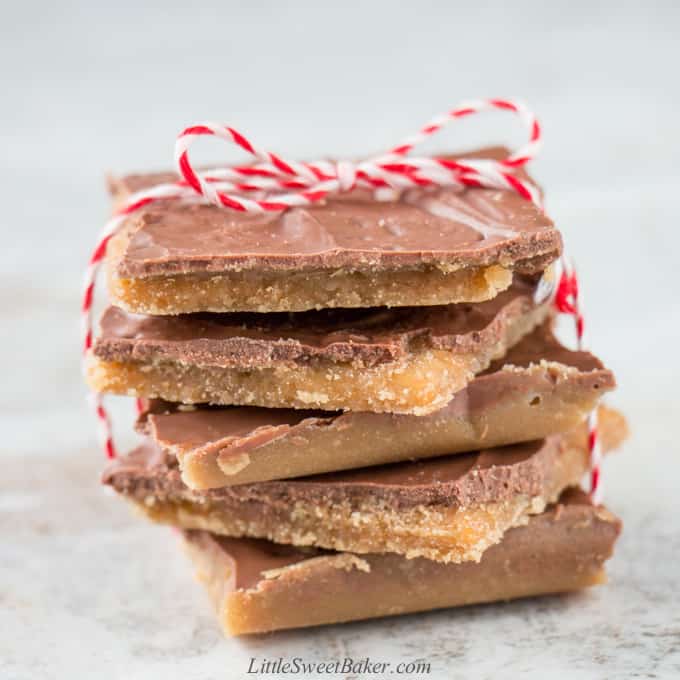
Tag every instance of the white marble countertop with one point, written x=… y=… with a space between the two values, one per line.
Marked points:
x=87 y=589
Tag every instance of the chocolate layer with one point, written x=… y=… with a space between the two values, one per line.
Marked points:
x=446 y=227
x=252 y=559
x=486 y=476
x=242 y=429
x=366 y=336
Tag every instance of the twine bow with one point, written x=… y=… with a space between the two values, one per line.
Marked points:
x=274 y=184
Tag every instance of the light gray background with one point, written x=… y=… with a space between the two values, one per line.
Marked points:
x=86 y=589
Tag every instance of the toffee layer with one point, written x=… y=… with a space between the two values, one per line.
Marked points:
x=538 y=388
x=420 y=247
x=257 y=586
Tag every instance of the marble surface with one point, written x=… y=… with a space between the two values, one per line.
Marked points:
x=89 y=590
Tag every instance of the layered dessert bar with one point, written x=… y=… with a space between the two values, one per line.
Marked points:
x=400 y=360
x=355 y=408
x=538 y=388
x=424 y=247
x=257 y=586
x=449 y=509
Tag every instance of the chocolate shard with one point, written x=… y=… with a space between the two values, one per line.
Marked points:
x=488 y=475
x=537 y=389
x=444 y=227
x=380 y=360
x=485 y=476
x=256 y=585
x=449 y=509
x=365 y=336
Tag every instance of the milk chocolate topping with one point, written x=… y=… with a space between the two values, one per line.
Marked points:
x=368 y=336
x=243 y=428
x=485 y=476
x=470 y=227
x=251 y=556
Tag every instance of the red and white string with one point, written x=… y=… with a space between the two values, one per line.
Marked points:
x=568 y=301
x=271 y=184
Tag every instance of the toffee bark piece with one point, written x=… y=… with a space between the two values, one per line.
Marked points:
x=423 y=247
x=449 y=509
x=405 y=360
x=257 y=586
x=539 y=388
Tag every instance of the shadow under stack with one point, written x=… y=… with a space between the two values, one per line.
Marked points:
x=356 y=409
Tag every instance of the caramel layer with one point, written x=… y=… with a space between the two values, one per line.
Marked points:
x=300 y=291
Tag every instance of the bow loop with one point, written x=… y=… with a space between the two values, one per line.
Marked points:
x=273 y=183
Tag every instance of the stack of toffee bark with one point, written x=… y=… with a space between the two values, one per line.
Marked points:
x=356 y=409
